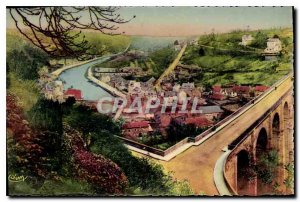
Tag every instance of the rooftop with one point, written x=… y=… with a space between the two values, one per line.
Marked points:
x=211 y=109
x=138 y=124
x=74 y=93
x=198 y=121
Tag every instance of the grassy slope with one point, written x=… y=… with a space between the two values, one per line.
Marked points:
x=225 y=68
x=27 y=91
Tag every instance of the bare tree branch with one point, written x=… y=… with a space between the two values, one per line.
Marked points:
x=57 y=30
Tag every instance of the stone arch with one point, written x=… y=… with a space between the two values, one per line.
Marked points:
x=288 y=136
x=243 y=165
x=261 y=148
x=286 y=112
x=276 y=132
x=261 y=143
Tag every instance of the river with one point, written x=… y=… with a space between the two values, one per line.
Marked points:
x=75 y=78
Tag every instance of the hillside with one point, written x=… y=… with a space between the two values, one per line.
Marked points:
x=224 y=61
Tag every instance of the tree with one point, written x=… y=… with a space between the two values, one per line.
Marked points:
x=201 y=52
x=260 y=40
x=46 y=118
x=55 y=29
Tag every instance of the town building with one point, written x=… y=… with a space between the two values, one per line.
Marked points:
x=217 y=93
x=260 y=89
x=211 y=112
x=177 y=45
x=273 y=49
x=200 y=121
x=273 y=46
x=246 y=40
x=134 y=130
x=73 y=93
x=241 y=90
x=54 y=91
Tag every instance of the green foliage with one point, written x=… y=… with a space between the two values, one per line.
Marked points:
x=267 y=165
x=87 y=121
x=226 y=62
x=289 y=181
x=26 y=61
x=177 y=131
x=26 y=91
x=106 y=44
x=60 y=187
x=46 y=117
x=153 y=139
x=140 y=172
x=260 y=40
x=162 y=58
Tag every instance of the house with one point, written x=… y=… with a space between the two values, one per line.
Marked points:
x=218 y=96
x=216 y=89
x=151 y=94
x=134 y=130
x=121 y=85
x=134 y=88
x=74 y=93
x=218 y=93
x=54 y=91
x=241 y=90
x=260 y=89
x=151 y=81
x=131 y=70
x=170 y=96
x=195 y=93
x=105 y=78
x=167 y=86
x=187 y=86
x=273 y=46
x=177 y=45
x=105 y=70
x=201 y=121
x=246 y=40
x=211 y=112
x=228 y=91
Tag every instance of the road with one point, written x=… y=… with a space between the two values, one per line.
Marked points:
x=170 y=68
x=197 y=163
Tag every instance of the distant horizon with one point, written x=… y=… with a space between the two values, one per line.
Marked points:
x=195 y=21
x=186 y=36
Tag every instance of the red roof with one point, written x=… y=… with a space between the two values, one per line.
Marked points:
x=165 y=120
x=74 y=93
x=217 y=88
x=243 y=89
x=138 y=124
x=198 y=121
x=218 y=96
x=261 y=88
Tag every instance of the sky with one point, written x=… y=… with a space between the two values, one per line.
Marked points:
x=189 y=21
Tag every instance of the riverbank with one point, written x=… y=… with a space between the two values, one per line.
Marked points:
x=57 y=72
x=103 y=85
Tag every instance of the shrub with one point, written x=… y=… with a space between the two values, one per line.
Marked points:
x=46 y=117
x=26 y=61
x=60 y=187
x=25 y=155
x=103 y=175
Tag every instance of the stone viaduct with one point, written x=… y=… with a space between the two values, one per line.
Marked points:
x=272 y=131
